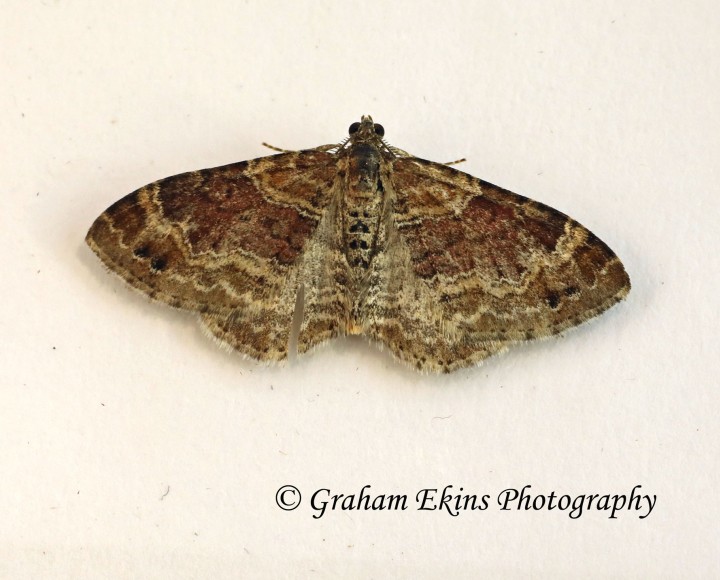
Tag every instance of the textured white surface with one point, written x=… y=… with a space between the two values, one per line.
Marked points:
x=605 y=110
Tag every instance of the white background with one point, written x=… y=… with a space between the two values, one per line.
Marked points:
x=131 y=446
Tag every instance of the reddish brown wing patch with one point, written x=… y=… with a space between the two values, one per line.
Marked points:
x=221 y=211
x=221 y=241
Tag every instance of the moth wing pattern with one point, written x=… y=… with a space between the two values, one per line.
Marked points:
x=476 y=268
x=441 y=267
x=227 y=242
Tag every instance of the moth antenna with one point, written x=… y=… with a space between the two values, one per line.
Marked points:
x=277 y=148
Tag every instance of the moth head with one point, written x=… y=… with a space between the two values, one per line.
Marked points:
x=366 y=129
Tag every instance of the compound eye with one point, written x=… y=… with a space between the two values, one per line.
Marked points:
x=379 y=130
x=354 y=128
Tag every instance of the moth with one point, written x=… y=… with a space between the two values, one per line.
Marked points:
x=441 y=268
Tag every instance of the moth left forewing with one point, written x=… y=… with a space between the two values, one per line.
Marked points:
x=226 y=242
x=484 y=267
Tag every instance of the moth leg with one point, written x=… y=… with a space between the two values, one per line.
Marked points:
x=398 y=152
